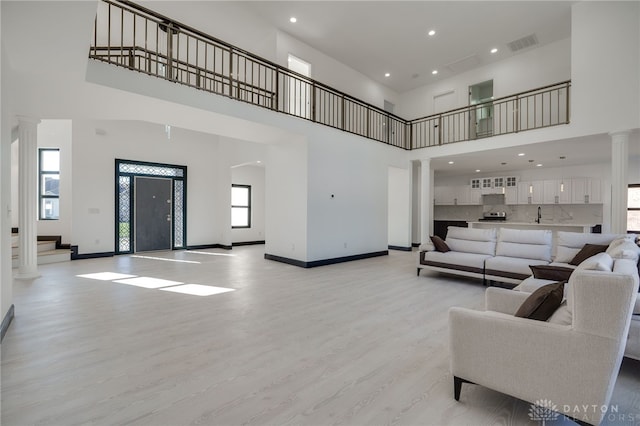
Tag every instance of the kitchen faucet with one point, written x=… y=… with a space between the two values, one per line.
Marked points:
x=539 y=214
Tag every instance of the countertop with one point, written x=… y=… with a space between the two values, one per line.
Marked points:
x=542 y=225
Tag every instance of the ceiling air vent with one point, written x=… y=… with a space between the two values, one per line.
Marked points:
x=523 y=43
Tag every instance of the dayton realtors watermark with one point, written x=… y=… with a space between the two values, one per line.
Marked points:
x=545 y=411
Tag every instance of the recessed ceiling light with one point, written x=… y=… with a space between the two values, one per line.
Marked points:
x=531 y=161
x=503 y=163
x=450 y=162
x=434 y=72
x=539 y=165
x=494 y=50
x=477 y=170
x=432 y=32
x=562 y=157
x=293 y=20
x=386 y=74
x=521 y=154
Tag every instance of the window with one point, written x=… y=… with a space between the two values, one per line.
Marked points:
x=49 y=183
x=240 y=206
x=633 y=208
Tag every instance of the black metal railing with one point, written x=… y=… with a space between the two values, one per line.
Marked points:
x=131 y=36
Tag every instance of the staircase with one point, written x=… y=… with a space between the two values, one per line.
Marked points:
x=48 y=251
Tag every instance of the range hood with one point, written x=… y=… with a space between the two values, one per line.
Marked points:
x=493 y=199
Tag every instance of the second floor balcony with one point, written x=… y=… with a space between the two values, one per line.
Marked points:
x=139 y=39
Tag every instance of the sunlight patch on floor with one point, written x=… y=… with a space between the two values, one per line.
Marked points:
x=148 y=282
x=210 y=253
x=137 y=256
x=197 y=289
x=158 y=283
x=106 y=276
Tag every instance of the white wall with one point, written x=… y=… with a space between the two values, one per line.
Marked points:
x=286 y=200
x=329 y=71
x=355 y=171
x=6 y=279
x=229 y=21
x=94 y=173
x=538 y=67
x=233 y=23
x=605 y=57
x=399 y=207
x=253 y=176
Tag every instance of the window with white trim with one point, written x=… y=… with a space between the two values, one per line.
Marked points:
x=49 y=183
x=241 y=206
x=633 y=208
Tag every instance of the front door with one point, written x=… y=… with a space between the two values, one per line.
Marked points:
x=152 y=210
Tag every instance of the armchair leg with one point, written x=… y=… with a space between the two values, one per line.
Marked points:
x=457 y=386
x=418 y=271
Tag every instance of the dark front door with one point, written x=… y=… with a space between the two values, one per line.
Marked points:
x=152 y=214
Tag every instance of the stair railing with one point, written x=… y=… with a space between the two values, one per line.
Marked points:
x=134 y=37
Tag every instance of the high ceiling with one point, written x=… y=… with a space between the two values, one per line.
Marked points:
x=378 y=37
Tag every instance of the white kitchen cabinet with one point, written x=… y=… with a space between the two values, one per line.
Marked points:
x=468 y=196
x=487 y=185
x=511 y=195
x=586 y=191
x=557 y=191
x=460 y=195
x=443 y=195
x=530 y=192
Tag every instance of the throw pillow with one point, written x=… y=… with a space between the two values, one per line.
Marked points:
x=548 y=272
x=439 y=244
x=542 y=303
x=586 y=252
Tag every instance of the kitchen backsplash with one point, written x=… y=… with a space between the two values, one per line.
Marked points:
x=574 y=213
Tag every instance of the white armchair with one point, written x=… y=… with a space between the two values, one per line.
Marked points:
x=573 y=366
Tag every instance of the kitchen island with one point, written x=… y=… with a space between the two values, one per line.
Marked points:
x=553 y=226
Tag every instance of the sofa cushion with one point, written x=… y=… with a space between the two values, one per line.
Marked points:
x=586 y=252
x=542 y=303
x=470 y=262
x=531 y=284
x=568 y=244
x=469 y=240
x=525 y=244
x=636 y=308
x=624 y=249
x=598 y=262
x=620 y=266
x=562 y=315
x=510 y=267
x=439 y=244
x=548 y=272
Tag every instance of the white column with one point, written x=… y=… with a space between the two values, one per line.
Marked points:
x=28 y=198
x=619 y=180
x=426 y=201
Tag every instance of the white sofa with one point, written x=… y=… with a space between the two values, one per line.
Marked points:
x=626 y=258
x=516 y=250
x=572 y=360
x=470 y=248
x=505 y=255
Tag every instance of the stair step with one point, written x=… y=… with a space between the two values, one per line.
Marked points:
x=49 y=256
x=43 y=246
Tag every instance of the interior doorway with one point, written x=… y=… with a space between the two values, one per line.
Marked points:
x=299 y=90
x=481 y=117
x=152 y=212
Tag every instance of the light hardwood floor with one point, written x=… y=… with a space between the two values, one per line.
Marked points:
x=358 y=343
